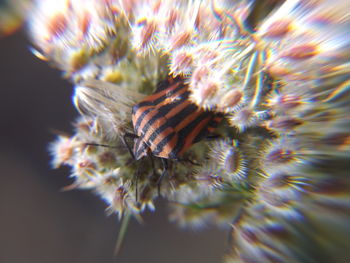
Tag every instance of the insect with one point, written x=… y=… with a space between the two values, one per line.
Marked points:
x=166 y=123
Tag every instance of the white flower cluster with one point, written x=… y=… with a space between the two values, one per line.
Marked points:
x=280 y=162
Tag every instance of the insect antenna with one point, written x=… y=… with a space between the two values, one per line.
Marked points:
x=102 y=145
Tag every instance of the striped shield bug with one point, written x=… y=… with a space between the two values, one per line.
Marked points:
x=167 y=123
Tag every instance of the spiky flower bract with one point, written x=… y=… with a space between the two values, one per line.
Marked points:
x=276 y=172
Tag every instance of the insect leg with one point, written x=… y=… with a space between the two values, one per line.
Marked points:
x=188 y=160
x=164 y=173
x=213 y=136
x=129 y=135
x=137 y=175
x=152 y=163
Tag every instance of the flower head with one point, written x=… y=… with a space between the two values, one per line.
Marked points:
x=278 y=162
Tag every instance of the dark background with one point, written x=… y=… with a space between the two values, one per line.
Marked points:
x=38 y=222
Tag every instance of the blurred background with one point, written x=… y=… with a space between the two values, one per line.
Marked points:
x=40 y=223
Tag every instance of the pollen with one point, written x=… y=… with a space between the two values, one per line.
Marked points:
x=278 y=29
x=199 y=74
x=233 y=161
x=113 y=76
x=78 y=60
x=339 y=140
x=181 y=63
x=84 y=22
x=300 y=52
x=278 y=70
x=231 y=99
x=147 y=33
x=246 y=117
x=171 y=19
x=57 y=25
x=280 y=156
x=119 y=201
x=86 y=164
x=285 y=102
x=180 y=39
x=282 y=124
x=230 y=160
x=207 y=90
x=62 y=150
x=106 y=159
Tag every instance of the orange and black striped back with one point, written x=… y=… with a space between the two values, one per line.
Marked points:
x=167 y=123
